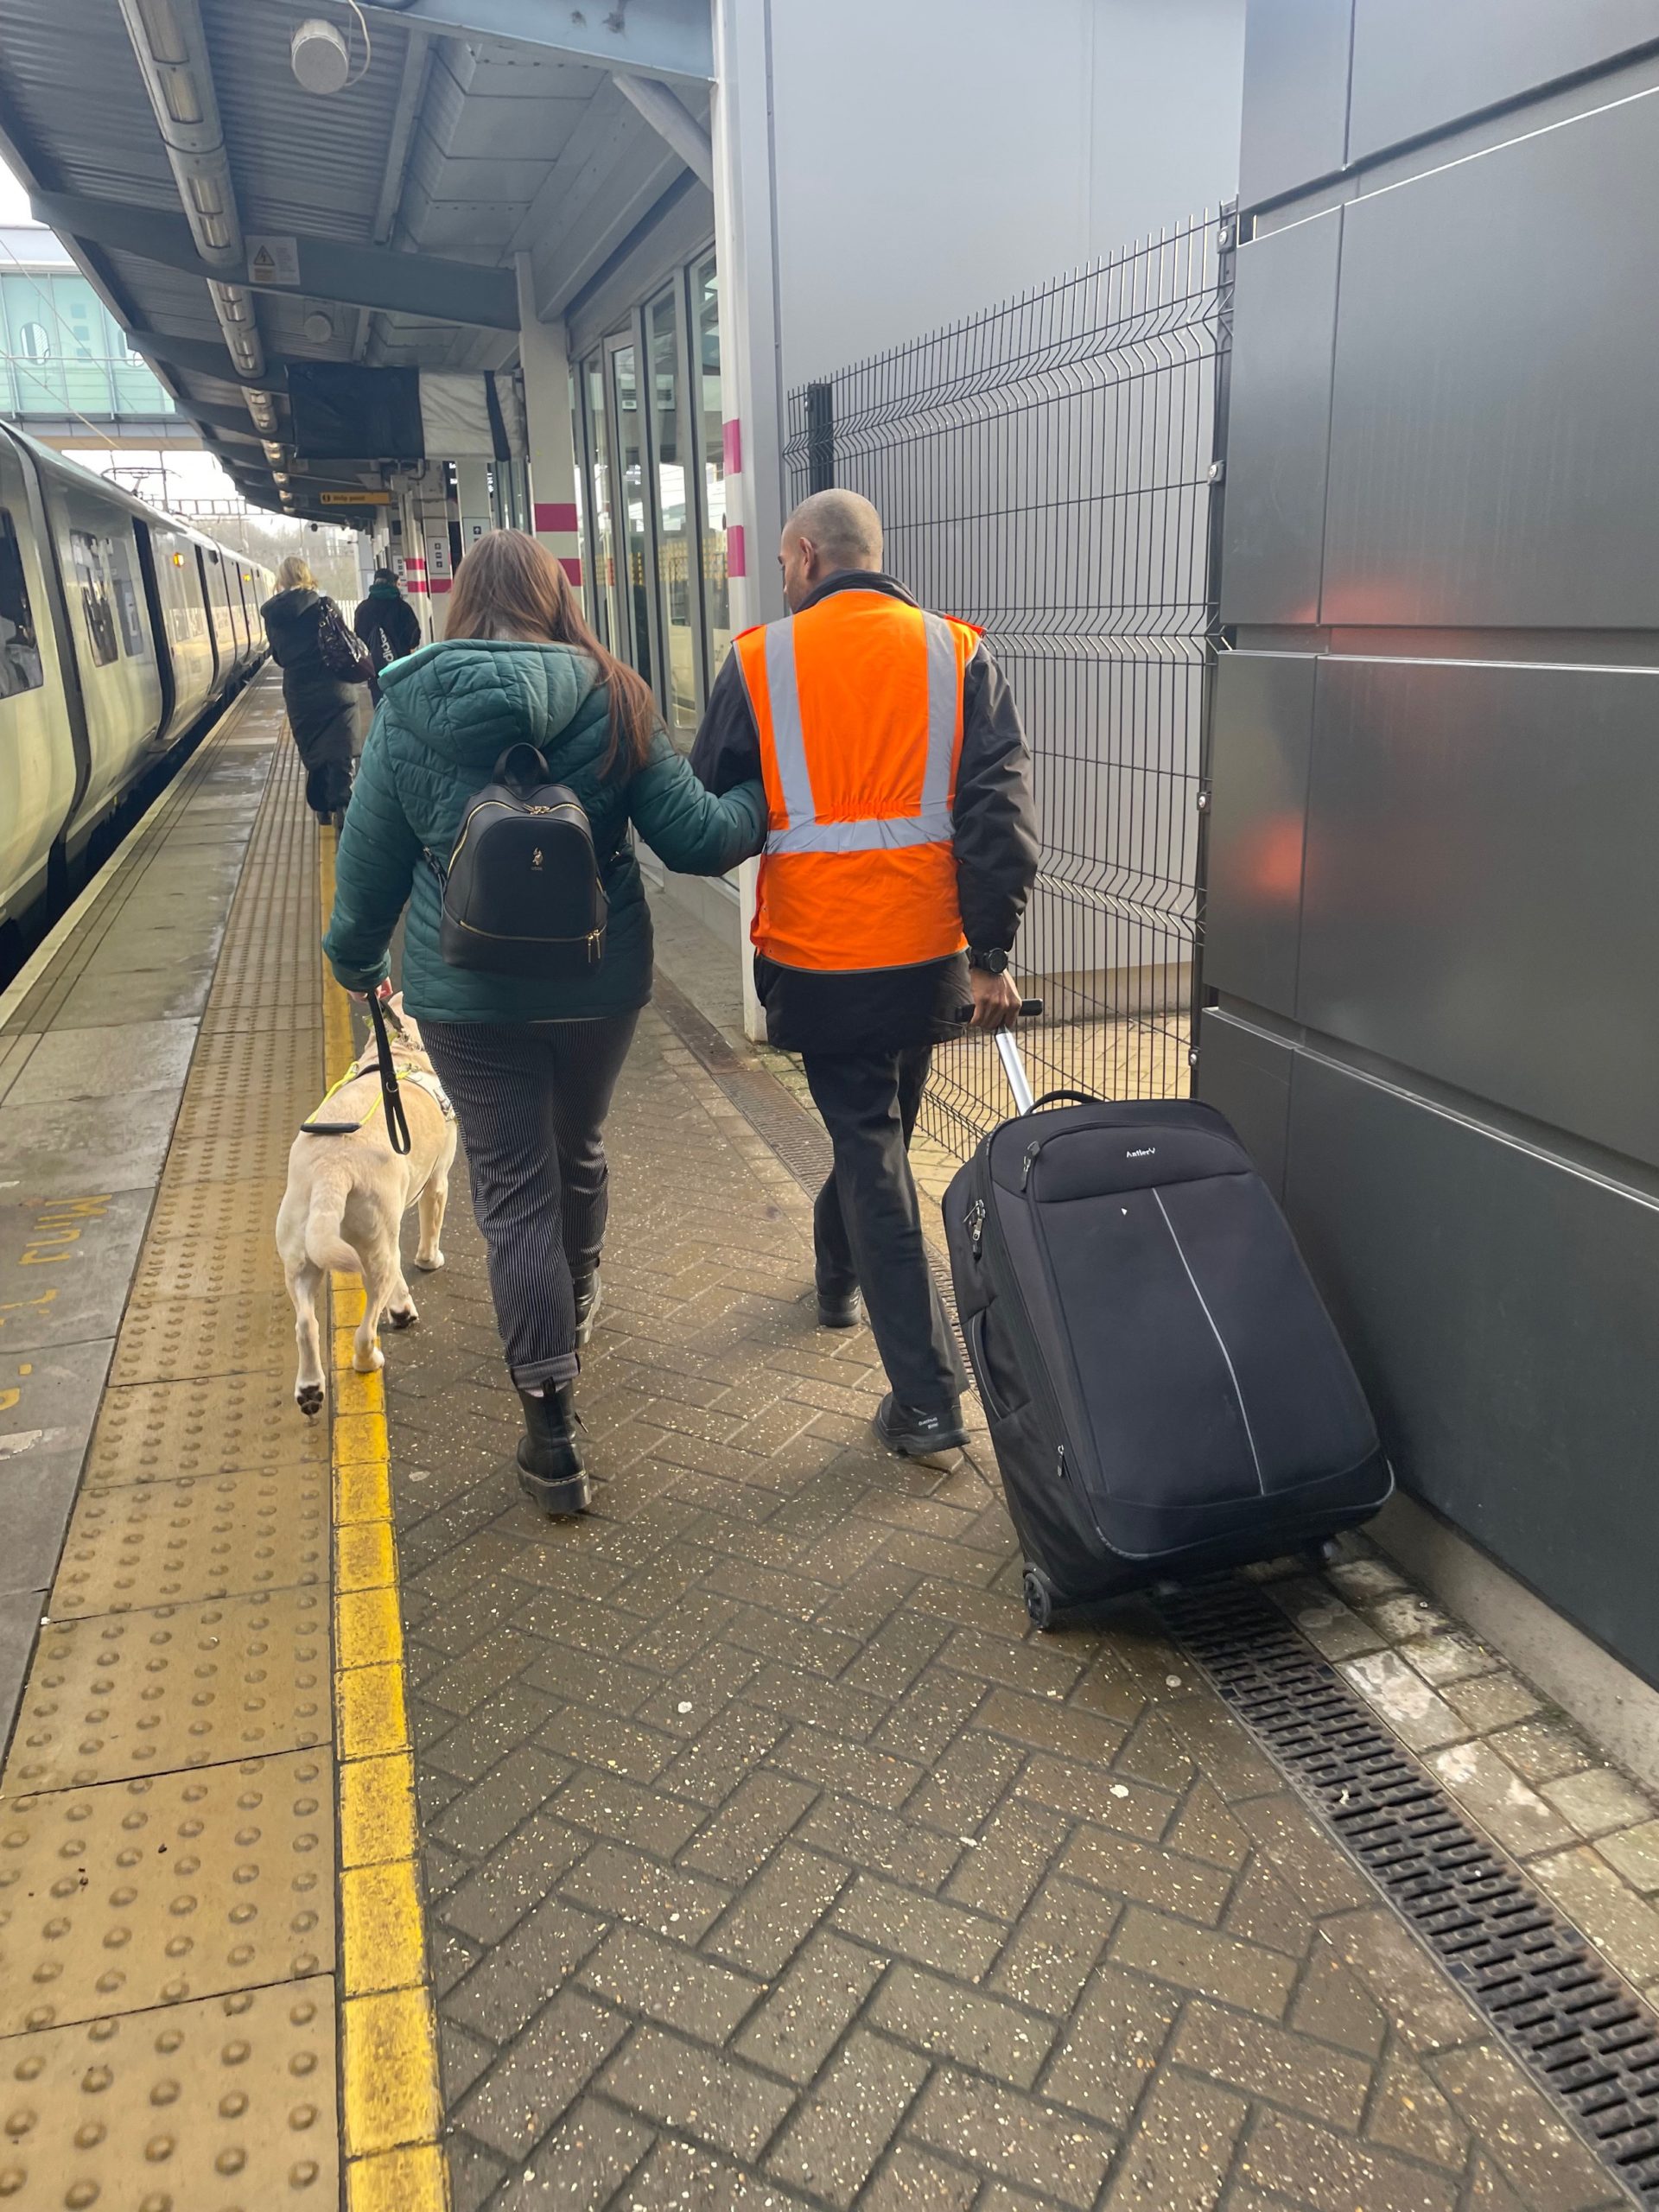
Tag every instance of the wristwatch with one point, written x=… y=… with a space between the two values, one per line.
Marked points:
x=988 y=963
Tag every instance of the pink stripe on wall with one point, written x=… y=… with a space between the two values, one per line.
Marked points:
x=732 y=443
x=573 y=570
x=553 y=515
x=439 y=583
x=737 y=562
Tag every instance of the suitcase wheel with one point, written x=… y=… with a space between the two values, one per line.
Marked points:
x=1040 y=1598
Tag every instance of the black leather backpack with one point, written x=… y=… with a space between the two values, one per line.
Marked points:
x=522 y=893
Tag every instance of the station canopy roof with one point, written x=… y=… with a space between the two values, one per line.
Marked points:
x=380 y=224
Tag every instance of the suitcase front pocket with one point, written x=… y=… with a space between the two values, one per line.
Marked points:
x=1154 y=1376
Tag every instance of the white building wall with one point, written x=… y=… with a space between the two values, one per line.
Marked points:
x=934 y=156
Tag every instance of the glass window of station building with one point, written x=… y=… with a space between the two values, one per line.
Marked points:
x=651 y=445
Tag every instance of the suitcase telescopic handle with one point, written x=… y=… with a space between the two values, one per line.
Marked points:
x=1007 y=1052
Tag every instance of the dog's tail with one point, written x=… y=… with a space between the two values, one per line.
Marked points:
x=325 y=1246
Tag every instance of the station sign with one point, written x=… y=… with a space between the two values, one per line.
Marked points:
x=364 y=499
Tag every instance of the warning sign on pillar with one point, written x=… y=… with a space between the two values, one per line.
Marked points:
x=439 y=573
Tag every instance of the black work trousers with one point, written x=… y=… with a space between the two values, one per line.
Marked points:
x=531 y=1099
x=868 y=1220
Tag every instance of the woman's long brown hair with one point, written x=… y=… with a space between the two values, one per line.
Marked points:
x=507 y=586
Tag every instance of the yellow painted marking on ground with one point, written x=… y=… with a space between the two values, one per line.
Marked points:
x=362 y=1492
x=364 y=1556
x=368 y=1626
x=369 y=1710
x=360 y=1436
x=376 y=1810
x=381 y=1936
x=389 y=2073
x=399 y=2181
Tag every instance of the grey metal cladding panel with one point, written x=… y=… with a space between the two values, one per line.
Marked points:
x=1478 y=900
x=1247 y=1074
x=1419 y=65
x=1263 y=736
x=1284 y=335
x=1295 y=95
x=1502 y=1312
x=1492 y=458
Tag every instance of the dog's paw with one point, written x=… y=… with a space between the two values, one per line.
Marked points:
x=401 y=1317
x=430 y=1267
x=369 y=1363
x=309 y=1398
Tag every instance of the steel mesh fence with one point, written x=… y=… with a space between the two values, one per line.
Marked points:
x=1050 y=469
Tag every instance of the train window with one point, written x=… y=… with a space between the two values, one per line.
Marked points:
x=90 y=558
x=20 y=655
x=126 y=601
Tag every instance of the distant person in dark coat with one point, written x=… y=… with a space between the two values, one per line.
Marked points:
x=321 y=707
x=387 y=624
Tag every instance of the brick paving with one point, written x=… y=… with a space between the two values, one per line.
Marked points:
x=773 y=1862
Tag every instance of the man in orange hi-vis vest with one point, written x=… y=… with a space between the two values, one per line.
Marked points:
x=902 y=846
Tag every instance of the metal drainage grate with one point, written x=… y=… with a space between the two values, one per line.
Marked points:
x=1582 y=2032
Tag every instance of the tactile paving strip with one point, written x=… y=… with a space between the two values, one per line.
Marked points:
x=144 y=1544
x=196 y=1265
x=225 y=2105
x=248 y=1065
x=218 y=1211
x=168 y=1339
x=155 y=1891
x=154 y=1432
x=233 y=1151
x=182 y=1686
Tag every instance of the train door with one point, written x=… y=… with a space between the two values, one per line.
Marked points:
x=219 y=608
x=109 y=625
x=184 y=622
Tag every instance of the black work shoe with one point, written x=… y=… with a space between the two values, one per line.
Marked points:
x=589 y=1296
x=549 y=1458
x=914 y=1434
x=840 y=1309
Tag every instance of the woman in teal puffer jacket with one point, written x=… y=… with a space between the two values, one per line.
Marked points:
x=529 y=1063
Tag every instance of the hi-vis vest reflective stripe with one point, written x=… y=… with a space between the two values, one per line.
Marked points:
x=858 y=703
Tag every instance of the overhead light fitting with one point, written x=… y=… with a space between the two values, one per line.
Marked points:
x=320 y=55
x=320 y=58
x=318 y=329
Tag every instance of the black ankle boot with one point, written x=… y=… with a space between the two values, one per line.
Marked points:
x=549 y=1458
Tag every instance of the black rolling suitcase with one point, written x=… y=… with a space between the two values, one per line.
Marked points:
x=1165 y=1394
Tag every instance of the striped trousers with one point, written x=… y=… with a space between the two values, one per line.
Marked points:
x=531 y=1100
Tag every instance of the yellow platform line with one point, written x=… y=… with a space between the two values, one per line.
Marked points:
x=391 y=2105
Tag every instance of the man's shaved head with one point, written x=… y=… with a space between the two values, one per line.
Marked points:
x=828 y=533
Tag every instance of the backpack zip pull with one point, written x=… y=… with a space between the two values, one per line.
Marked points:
x=1029 y=1162
x=1059 y=1465
x=974 y=1223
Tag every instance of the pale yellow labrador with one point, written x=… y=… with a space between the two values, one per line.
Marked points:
x=347 y=1197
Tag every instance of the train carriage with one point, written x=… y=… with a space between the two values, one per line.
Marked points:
x=120 y=628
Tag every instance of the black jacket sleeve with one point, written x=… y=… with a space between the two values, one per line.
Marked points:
x=997 y=845
x=727 y=752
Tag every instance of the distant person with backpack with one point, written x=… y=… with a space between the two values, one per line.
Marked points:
x=387 y=624
x=527 y=949
x=300 y=626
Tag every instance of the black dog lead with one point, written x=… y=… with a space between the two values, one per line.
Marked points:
x=397 y=1120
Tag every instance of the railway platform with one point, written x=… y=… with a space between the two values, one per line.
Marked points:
x=367 y=1839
